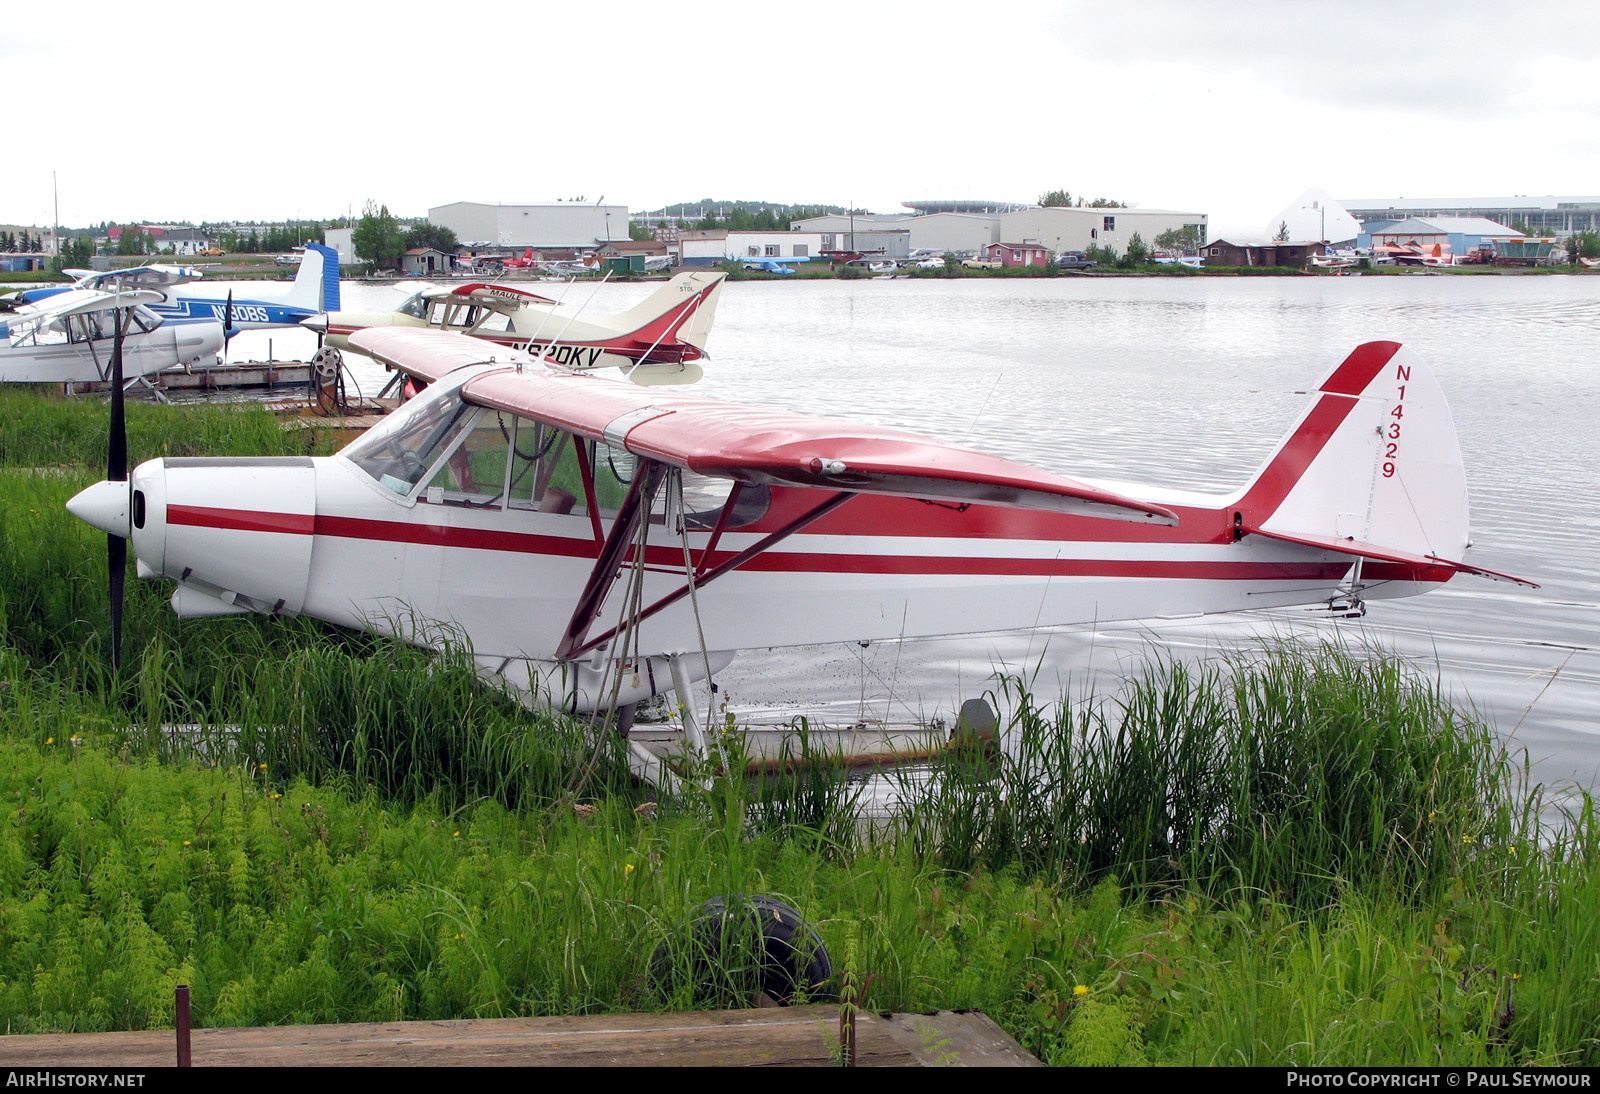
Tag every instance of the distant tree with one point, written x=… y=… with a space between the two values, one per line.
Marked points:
x=377 y=237
x=640 y=232
x=1105 y=203
x=1589 y=244
x=437 y=236
x=1283 y=232
x=1055 y=198
x=1520 y=225
x=1182 y=241
x=1101 y=256
x=75 y=254
x=1574 y=246
x=133 y=241
x=1138 y=252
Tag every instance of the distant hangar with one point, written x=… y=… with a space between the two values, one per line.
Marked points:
x=572 y=225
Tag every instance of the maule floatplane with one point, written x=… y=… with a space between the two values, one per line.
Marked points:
x=655 y=342
x=598 y=543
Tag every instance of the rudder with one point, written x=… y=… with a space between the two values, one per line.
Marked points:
x=1373 y=461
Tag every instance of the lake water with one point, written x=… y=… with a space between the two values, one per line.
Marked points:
x=1190 y=382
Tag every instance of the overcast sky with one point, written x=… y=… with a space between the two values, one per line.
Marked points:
x=205 y=111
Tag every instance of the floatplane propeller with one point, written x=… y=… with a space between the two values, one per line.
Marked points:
x=108 y=505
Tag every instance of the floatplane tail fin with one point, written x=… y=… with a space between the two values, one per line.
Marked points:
x=1372 y=469
x=680 y=311
x=316 y=283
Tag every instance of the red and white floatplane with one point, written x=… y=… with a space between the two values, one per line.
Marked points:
x=656 y=342
x=598 y=543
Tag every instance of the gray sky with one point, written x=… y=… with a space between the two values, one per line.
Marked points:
x=1229 y=107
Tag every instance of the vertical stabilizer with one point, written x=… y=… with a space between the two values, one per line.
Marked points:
x=680 y=311
x=1374 y=460
x=316 y=285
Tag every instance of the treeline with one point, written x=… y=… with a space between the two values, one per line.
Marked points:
x=20 y=243
x=741 y=216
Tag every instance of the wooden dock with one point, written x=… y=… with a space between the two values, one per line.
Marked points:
x=772 y=1037
x=234 y=375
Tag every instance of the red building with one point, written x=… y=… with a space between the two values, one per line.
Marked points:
x=1017 y=254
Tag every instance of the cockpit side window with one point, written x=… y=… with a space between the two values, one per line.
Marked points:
x=398 y=453
x=474 y=473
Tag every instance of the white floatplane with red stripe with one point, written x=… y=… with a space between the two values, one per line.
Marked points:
x=598 y=543
x=656 y=342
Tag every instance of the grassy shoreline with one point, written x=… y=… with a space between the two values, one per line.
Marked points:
x=1300 y=859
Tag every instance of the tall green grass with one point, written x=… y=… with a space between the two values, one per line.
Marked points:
x=1297 y=775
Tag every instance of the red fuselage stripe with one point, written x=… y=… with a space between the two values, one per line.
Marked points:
x=434 y=535
x=241 y=520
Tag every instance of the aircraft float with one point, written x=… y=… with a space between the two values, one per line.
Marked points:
x=655 y=342
x=72 y=336
x=241 y=305
x=598 y=543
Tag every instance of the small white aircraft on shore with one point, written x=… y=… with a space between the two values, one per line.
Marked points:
x=71 y=336
x=655 y=342
x=598 y=543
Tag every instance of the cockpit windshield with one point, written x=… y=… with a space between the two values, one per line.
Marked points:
x=415 y=306
x=399 y=452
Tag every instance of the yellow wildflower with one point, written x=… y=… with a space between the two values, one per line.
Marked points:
x=628 y=869
x=49 y=740
x=1081 y=989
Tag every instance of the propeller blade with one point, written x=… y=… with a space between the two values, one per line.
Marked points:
x=117 y=471
x=117 y=447
x=117 y=565
x=227 y=320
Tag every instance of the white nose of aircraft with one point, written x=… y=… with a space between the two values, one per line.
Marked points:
x=197 y=341
x=105 y=505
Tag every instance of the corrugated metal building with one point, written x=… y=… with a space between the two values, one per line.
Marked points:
x=538 y=224
x=1549 y=215
x=1458 y=235
x=1077 y=228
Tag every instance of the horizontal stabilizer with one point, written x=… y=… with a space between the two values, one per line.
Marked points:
x=1349 y=546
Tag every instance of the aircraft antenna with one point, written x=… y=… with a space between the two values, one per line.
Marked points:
x=545 y=354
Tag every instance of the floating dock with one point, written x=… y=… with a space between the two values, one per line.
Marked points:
x=224 y=377
x=805 y=1036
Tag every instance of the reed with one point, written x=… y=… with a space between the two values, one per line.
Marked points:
x=1300 y=774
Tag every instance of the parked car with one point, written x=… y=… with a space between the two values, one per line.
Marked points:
x=981 y=263
x=1073 y=260
x=214 y=252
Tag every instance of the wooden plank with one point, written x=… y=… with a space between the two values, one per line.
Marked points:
x=788 y=1037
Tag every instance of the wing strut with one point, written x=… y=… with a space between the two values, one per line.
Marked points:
x=579 y=647
x=635 y=507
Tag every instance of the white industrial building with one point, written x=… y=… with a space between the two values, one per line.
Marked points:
x=554 y=224
x=1077 y=228
x=1059 y=228
x=707 y=247
x=960 y=232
